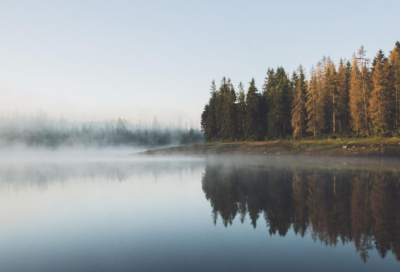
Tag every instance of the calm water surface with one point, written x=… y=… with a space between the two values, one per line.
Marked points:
x=193 y=214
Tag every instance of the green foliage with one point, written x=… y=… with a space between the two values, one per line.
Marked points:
x=278 y=95
x=299 y=103
x=209 y=118
x=343 y=88
x=252 y=127
x=380 y=97
x=355 y=98
x=241 y=112
x=314 y=106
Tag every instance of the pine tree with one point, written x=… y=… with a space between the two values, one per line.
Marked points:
x=342 y=83
x=241 y=112
x=252 y=113
x=314 y=105
x=395 y=67
x=323 y=70
x=358 y=95
x=230 y=111
x=208 y=117
x=203 y=122
x=380 y=97
x=330 y=90
x=298 y=104
x=263 y=109
x=222 y=109
x=269 y=90
x=287 y=105
x=278 y=95
x=365 y=85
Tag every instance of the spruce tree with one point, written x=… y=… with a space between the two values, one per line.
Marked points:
x=365 y=76
x=330 y=85
x=275 y=101
x=263 y=109
x=342 y=85
x=252 y=113
x=356 y=111
x=380 y=97
x=287 y=104
x=323 y=70
x=208 y=117
x=268 y=94
x=314 y=105
x=299 y=103
x=358 y=100
x=230 y=111
x=204 y=125
x=395 y=71
x=221 y=109
x=278 y=95
x=241 y=112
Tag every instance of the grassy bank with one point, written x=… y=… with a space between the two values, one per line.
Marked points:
x=327 y=147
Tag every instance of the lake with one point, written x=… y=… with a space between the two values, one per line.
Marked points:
x=128 y=213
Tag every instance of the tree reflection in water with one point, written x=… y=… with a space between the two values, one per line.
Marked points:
x=334 y=206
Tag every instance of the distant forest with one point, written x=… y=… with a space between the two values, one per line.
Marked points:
x=42 y=132
x=354 y=99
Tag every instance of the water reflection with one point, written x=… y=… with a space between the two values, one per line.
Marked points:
x=136 y=214
x=335 y=206
x=17 y=176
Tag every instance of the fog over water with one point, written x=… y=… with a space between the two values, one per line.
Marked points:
x=123 y=212
x=19 y=132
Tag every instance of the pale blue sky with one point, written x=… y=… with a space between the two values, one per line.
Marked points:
x=135 y=59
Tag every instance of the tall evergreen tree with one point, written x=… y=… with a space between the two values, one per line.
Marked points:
x=358 y=95
x=221 y=109
x=380 y=97
x=279 y=98
x=230 y=111
x=208 y=117
x=287 y=90
x=314 y=105
x=395 y=67
x=269 y=90
x=342 y=85
x=324 y=70
x=299 y=103
x=330 y=86
x=241 y=112
x=263 y=109
x=356 y=112
x=365 y=80
x=204 y=126
x=252 y=113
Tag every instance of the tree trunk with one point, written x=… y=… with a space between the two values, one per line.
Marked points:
x=333 y=111
x=365 y=107
x=397 y=105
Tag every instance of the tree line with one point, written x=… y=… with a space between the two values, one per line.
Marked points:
x=107 y=135
x=340 y=206
x=357 y=98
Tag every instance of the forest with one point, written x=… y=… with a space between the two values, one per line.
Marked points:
x=40 y=131
x=357 y=98
x=359 y=207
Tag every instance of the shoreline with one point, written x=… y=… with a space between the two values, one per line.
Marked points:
x=364 y=147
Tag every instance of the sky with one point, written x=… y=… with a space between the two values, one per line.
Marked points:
x=97 y=60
